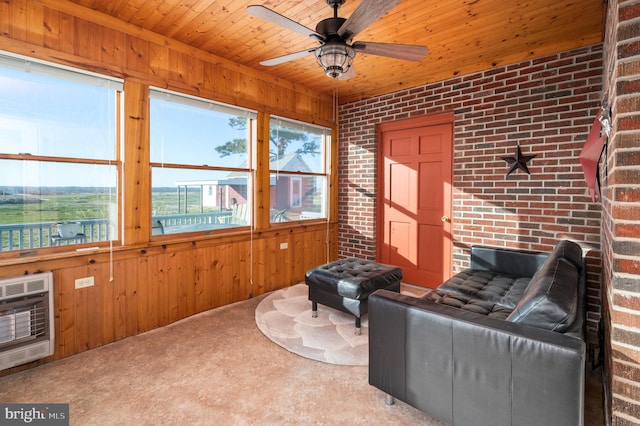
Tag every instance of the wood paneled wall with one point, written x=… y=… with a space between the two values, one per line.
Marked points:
x=139 y=289
x=146 y=284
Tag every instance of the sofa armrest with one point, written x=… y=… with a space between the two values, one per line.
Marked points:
x=466 y=368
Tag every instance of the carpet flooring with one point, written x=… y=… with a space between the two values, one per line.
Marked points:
x=213 y=368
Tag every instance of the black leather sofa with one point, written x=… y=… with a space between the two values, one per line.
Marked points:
x=501 y=343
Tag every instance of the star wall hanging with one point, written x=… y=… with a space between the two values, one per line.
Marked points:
x=519 y=161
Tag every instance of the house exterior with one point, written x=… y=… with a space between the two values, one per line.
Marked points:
x=218 y=194
x=287 y=191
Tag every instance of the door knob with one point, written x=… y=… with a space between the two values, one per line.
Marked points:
x=444 y=218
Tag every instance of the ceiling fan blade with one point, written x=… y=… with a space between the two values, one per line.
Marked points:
x=365 y=14
x=349 y=74
x=286 y=58
x=275 y=18
x=407 y=52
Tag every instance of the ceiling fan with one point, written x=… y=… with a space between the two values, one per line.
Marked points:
x=336 y=51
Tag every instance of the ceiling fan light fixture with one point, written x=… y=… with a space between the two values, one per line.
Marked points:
x=335 y=58
x=335 y=35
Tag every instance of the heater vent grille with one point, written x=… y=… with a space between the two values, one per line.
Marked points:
x=26 y=319
x=37 y=285
x=12 y=290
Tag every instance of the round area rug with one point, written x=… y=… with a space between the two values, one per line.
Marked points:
x=285 y=317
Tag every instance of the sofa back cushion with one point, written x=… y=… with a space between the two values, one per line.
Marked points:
x=570 y=251
x=505 y=261
x=551 y=299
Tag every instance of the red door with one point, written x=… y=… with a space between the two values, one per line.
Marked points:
x=415 y=210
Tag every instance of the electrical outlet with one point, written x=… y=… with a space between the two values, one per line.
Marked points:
x=84 y=282
x=284 y=246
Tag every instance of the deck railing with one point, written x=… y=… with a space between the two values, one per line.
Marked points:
x=192 y=219
x=26 y=236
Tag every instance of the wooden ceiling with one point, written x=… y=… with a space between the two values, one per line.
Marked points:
x=463 y=36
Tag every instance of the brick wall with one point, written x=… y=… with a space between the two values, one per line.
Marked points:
x=547 y=105
x=621 y=214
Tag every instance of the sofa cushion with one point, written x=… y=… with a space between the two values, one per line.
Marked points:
x=488 y=286
x=550 y=300
x=470 y=304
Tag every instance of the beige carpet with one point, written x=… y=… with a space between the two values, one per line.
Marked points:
x=285 y=318
x=215 y=368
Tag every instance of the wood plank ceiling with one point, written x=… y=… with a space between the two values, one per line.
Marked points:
x=463 y=36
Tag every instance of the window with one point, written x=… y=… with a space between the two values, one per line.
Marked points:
x=59 y=155
x=200 y=164
x=299 y=170
x=296 y=191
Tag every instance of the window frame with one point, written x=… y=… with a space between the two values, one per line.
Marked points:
x=280 y=218
x=22 y=63
x=204 y=103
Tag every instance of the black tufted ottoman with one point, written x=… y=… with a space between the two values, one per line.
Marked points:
x=346 y=284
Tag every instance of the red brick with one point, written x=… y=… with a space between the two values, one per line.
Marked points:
x=627 y=266
x=628 y=31
x=626 y=105
x=624 y=408
x=627 y=301
x=627 y=195
x=628 y=12
x=627 y=230
x=628 y=87
x=628 y=50
x=629 y=69
x=629 y=122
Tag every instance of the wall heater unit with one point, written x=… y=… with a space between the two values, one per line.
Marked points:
x=26 y=319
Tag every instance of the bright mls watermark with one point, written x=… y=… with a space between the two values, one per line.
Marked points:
x=34 y=414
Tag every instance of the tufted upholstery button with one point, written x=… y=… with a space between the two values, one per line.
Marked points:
x=483 y=292
x=347 y=283
x=353 y=278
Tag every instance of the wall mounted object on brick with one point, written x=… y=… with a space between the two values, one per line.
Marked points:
x=518 y=161
x=546 y=105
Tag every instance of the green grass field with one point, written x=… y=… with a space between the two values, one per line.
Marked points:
x=66 y=205
x=51 y=205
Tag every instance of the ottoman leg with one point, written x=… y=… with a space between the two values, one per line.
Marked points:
x=358 y=328
x=314 y=309
x=389 y=400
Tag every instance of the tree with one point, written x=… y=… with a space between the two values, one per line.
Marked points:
x=279 y=137
x=237 y=145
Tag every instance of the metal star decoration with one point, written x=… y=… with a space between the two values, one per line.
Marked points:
x=518 y=162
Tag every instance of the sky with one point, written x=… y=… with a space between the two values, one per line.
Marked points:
x=50 y=116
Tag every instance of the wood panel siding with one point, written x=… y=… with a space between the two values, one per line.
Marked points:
x=143 y=284
x=141 y=288
x=137 y=175
x=463 y=37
